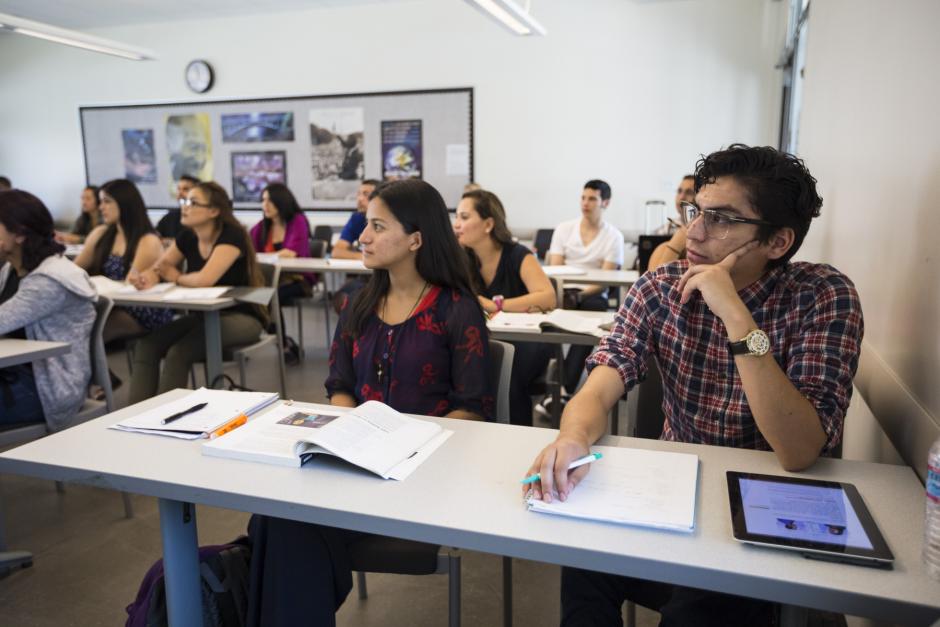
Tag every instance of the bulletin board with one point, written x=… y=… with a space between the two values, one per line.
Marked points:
x=321 y=147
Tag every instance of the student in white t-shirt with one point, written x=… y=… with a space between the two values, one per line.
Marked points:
x=590 y=243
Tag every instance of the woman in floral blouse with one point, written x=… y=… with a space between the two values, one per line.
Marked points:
x=414 y=338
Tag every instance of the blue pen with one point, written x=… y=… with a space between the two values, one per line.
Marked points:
x=587 y=459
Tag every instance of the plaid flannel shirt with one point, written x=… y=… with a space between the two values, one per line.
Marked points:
x=811 y=313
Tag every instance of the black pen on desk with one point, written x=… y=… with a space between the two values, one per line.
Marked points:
x=185 y=412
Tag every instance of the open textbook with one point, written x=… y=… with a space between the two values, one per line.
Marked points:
x=373 y=436
x=633 y=487
x=573 y=321
x=220 y=408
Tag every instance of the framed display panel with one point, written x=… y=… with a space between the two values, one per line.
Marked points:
x=327 y=144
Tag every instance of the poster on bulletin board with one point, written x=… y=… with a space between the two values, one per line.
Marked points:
x=401 y=149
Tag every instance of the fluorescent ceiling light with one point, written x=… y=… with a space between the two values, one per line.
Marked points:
x=73 y=38
x=510 y=15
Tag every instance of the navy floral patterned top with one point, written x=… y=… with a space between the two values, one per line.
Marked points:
x=149 y=317
x=431 y=364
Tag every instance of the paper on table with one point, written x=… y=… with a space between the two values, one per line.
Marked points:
x=195 y=293
x=222 y=407
x=104 y=285
x=562 y=270
x=267 y=258
x=633 y=487
x=353 y=264
x=563 y=319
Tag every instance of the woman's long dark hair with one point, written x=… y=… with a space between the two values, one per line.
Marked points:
x=419 y=207
x=133 y=219
x=488 y=206
x=21 y=213
x=287 y=207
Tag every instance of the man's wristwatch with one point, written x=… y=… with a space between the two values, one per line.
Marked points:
x=755 y=343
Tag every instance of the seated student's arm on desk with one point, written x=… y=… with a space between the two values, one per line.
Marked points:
x=344 y=250
x=541 y=293
x=85 y=258
x=583 y=422
x=788 y=420
x=218 y=263
x=68 y=238
x=166 y=267
x=555 y=259
x=597 y=289
x=149 y=250
x=342 y=399
x=668 y=252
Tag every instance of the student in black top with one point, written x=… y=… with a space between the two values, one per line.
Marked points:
x=217 y=251
x=507 y=277
x=169 y=225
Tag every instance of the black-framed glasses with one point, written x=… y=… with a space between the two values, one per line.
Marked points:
x=716 y=223
x=189 y=202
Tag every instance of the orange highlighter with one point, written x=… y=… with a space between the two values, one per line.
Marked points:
x=231 y=425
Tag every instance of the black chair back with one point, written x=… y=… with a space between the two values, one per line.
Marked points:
x=645 y=248
x=325 y=233
x=543 y=239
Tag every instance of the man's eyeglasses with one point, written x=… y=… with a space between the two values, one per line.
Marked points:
x=716 y=223
x=189 y=202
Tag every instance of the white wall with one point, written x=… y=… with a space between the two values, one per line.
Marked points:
x=631 y=92
x=870 y=133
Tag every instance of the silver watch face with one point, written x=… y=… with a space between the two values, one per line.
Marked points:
x=757 y=342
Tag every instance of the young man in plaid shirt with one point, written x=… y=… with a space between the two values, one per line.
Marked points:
x=755 y=352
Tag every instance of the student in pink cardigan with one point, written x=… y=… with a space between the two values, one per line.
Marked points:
x=284 y=230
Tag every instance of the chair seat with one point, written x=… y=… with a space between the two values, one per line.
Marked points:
x=231 y=353
x=380 y=554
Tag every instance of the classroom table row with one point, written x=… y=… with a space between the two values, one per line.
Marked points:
x=479 y=507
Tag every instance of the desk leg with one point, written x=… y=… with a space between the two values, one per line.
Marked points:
x=557 y=384
x=213 y=331
x=276 y=312
x=793 y=616
x=181 y=563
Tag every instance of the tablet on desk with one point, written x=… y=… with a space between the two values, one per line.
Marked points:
x=821 y=519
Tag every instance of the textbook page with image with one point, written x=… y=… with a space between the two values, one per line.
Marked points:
x=372 y=436
x=633 y=487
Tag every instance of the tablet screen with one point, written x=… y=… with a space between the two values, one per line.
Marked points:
x=801 y=512
x=812 y=516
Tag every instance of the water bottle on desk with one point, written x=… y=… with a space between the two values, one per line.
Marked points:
x=932 y=520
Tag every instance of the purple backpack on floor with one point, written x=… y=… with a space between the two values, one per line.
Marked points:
x=223 y=570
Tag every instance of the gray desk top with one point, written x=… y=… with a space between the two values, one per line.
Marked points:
x=16 y=351
x=553 y=337
x=467 y=495
x=618 y=278
x=311 y=264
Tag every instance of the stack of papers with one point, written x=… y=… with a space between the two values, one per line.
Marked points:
x=222 y=407
x=269 y=259
x=568 y=320
x=633 y=487
x=562 y=270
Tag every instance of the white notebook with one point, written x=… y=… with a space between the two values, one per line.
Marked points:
x=221 y=408
x=351 y=264
x=633 y=487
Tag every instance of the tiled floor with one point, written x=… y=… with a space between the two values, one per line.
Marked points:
x=89 y=559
